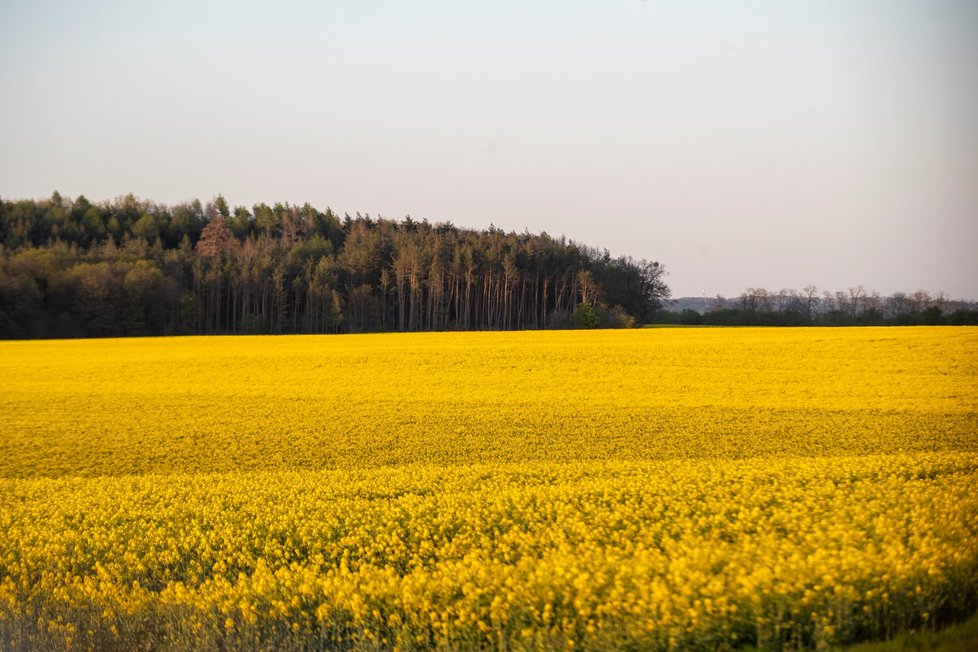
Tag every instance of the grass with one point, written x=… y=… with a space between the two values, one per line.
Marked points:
x=962 y=637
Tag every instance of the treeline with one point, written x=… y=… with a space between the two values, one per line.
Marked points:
x=73 y=268
x=855 y=307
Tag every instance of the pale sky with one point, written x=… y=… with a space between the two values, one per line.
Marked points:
x=742 y=144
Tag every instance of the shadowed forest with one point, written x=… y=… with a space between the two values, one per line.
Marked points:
x=73 y=268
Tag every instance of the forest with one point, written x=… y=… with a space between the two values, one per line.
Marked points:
x=855 y=306
x=126 y=267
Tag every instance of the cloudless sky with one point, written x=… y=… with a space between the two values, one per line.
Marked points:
x=742 y=144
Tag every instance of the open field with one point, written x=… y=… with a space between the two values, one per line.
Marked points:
x=654 y=488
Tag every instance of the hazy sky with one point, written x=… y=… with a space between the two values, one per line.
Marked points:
x=742 y=144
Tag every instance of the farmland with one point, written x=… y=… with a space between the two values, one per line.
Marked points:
x=599 y=490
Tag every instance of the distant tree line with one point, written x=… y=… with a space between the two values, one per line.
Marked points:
x=73 y=268
x=855 y=307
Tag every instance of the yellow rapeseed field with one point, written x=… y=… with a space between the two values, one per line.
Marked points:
x=645 y=489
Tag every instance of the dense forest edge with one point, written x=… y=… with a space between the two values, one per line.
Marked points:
x=128 y=267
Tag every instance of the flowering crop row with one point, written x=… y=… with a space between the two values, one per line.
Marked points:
x=659 y=555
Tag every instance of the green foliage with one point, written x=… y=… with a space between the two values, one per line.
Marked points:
x=133 y=267
x=586 y=316
x=146 y=228
x=962 y=637
x=930 y=316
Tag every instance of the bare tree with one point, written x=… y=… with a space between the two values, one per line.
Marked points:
x=811 y=301
x=857 y=296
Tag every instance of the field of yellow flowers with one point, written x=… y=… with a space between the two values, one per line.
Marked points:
x=643 y=489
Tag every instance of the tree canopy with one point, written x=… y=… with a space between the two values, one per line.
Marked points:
x=73 y=268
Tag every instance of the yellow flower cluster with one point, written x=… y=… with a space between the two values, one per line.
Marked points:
x=656 y=489
x=536 y=555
